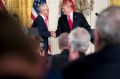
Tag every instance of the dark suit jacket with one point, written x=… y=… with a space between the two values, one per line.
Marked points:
x=78 y=20
x=104 y=64
x=57 y=64
x=43 y=31
x=59 y=61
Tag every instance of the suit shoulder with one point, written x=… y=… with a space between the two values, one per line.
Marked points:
x=37 y=20
x=39 y=17
x=78 y=14
x=62 y=16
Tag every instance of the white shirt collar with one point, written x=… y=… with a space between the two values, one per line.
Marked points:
x=71 y=15
x=43 y=16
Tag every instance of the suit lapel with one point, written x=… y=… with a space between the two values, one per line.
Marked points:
x=67 y=24
x=74 y=21
x=44 y=22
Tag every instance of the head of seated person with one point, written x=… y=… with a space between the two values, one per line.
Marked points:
x=17 y=57
x=79 y=39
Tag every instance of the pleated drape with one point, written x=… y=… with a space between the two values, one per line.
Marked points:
x=22 y=8
x=115 y=2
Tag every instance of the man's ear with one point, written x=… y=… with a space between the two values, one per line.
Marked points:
x=97 y=39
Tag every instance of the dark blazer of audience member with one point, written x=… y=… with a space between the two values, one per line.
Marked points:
x=105 y=62
x=42 y=25
x=78 y=19
x=59 y=61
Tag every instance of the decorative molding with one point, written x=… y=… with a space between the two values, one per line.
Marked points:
x=84 y=6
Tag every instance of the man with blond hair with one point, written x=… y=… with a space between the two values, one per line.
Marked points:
x=70 y=20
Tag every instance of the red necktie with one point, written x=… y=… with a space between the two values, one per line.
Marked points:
x=70 y=22
x=46 y=22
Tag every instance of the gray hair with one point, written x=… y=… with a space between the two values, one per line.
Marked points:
x=79 y=39
x=108 y=25
x=41 y=7
x=63 y=40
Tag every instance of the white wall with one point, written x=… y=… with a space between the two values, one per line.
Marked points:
x=99 y=5
x=54 y=14
x=53 y=21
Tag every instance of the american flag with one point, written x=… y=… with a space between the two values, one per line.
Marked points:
x=35 y=10
x=2 y=6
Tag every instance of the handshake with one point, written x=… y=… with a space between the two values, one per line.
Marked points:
x=53 y=34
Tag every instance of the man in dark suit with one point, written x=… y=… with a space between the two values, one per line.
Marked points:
x=60 y=60
x=105 y=62
x=41 y=22
x=70 y=20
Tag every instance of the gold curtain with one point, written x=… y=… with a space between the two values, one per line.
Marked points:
x=22 y=8
x=115 y=2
